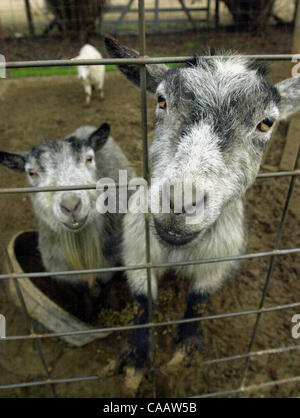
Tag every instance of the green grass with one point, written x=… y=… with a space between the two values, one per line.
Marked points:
x=49 y=71
x=190 y=44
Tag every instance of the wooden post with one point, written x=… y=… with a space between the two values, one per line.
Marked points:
x=292 y=141
x=296 y=40
x=217 y=14
x=156 y=16
x=29 y=17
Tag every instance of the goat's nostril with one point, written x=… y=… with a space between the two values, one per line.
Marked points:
x=77 y=206
x=65 y=210
x=71 y=205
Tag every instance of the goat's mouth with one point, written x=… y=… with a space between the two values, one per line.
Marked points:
x=174 y=237
x=76 y=224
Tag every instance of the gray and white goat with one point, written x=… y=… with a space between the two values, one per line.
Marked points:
x=214 y=117
x=73 y=235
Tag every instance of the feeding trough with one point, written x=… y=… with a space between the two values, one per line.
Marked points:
x=53 y=304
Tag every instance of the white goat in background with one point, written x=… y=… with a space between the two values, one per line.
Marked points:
x=92 y=76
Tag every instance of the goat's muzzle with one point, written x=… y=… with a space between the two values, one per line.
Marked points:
x=174 y=236
x=72 y=209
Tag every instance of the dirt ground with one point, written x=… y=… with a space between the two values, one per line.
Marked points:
x=52 y=107
x=272 y=40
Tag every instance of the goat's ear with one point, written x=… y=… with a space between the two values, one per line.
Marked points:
x=154 y=72
x=15 y=162
x=99 y=137
x=289 y=90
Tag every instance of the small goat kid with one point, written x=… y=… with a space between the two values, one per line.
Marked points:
x=92 y=76
x=72 y=234
x=214 y=117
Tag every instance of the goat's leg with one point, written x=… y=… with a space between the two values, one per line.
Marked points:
x=133 y=358
x=88 y=91
x=101 y=91
x=190 y=333
x=136 y=354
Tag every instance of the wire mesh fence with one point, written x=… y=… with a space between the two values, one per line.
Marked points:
x=149 y=266
x=51 y=17
x=37 y=17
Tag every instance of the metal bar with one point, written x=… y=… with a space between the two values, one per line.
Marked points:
x=56 y=188
x=251 y=388
x=163 y=9
x=143 y=87
x=137 y=61
x=150 y=265
x=253 y=354
x=278 y=174
x=170 y=23
x=271 y=268
x=94 y=186
x=153 y=324
x=48 y=382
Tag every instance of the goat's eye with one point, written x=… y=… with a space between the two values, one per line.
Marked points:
x=161 y=102
x=89 y=160
x=265 y=125
x=32 y=173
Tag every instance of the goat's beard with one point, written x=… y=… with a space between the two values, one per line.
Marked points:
x=82 y=251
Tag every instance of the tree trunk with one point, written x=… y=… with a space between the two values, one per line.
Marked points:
x=250 y=14
x=77 y=17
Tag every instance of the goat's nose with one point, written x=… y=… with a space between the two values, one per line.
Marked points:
x=186 y=201
x=71 y=205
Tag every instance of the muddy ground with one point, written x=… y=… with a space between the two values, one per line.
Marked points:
x=32 y=109
x=272 y=40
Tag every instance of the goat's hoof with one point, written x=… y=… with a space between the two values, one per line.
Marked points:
x=128 y=358
x=133 y=375
x=111 y=368
x=193 y=345
x=187 y=349
x=177 y=359
x=133 y=378
x=131 y=357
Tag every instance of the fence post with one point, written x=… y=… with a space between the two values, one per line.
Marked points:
x=29 y=18
x=296 y=39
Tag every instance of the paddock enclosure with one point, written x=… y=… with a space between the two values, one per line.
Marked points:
x=35 y=107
